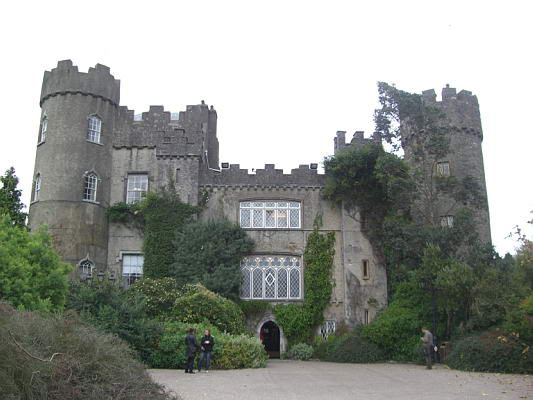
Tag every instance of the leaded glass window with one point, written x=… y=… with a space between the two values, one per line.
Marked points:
x=270 y=214
x=132 y=268
x=94 y=129
x=328 y=328
x=271 y=278
x=90 y=186
x=137 y=187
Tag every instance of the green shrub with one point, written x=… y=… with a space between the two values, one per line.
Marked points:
x=229 y=352
x=491 y=352
x=31 y=273
x=300 y=351
x=349 y=348
x=252 y=308
x=520 y=320
x=395 y=331
x=107 y=305
x=160 y=295
x=198 y=305
x=56 y=357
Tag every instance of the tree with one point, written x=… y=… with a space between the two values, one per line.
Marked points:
x=10 y=203
x=210 y=253
x=31 y=273
x=367 y=179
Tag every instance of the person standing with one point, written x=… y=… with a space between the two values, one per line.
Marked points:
x=190 y=350
x=427 y=341
x=206 y=344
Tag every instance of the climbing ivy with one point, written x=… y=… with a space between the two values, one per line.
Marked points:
x=159 y=215
x=298 y=321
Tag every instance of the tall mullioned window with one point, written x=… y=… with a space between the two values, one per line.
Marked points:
x=44 y=128
x=271 y=278
x=37 y=187
x=94 y=129
x=132 y=268
x=136 y=188
x=270 y=214
x=90 y=186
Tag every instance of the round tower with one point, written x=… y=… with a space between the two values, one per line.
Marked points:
x=73 y=162
x=460 y=115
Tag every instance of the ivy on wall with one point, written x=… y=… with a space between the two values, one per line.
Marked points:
x=159 y=215
x=299 y=321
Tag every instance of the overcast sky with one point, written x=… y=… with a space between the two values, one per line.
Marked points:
x=284 y=76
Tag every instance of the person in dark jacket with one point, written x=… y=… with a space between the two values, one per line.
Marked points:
x=190 y=350
x=206 y=345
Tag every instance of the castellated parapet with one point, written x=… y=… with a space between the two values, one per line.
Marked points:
x=66 y=78
x=93 y=152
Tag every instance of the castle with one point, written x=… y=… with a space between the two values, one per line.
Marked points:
x=92 y=152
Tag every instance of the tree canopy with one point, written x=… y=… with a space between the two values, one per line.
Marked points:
x=10 y=203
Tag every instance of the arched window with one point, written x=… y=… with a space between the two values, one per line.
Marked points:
x=44 y=127
x=94 y=129
x=37 y=187
x=85 y=267
x=90 y=186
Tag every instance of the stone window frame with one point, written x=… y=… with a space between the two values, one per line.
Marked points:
x=264 y=276
x=126 y=184
x=447 y=221
x=366 y=320
x=88 y=177
x=126 y=280
x=275 y=208
x=93 y=135
x=43 y=129
x=443 y=168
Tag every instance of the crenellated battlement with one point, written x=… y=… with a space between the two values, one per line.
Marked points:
x=66 y=78
x=449 y=94
x=304 y=175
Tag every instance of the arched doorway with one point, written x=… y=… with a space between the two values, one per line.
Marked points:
x=270 y=337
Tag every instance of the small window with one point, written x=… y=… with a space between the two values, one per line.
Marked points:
x=366 y=317
x=85 y=268
x=137 y=187
x=328 y=328
x=37 y=187
x=132 y=268
x=94 y=129
x=270 y=214
x=366 y=272
x=446 y=221
x=166 y=139
x=443 y=168
x=90 y=186
x=44 y=128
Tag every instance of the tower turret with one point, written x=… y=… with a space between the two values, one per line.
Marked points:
x=73 y=162
x=458 y=114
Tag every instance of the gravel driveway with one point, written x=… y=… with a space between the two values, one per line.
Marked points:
x=294 y=380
